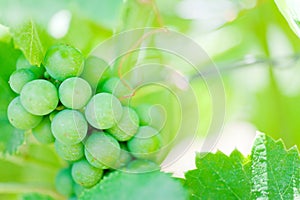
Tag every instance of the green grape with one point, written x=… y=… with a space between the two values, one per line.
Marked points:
x=127 y=126
x=116 y=87
x=46 y=75
x=52 y=115
x=103 y=149
x=124 y=158
x=39 y=97
x=141 y=166
x=19 y=78
x=22 y=63
x=69 y=127
x=93 y=161
x=95 y=70
x=78 y=189
x=69 y=152
x=74 y=92
x=145 y=143
x=151 y=115
x=42 y=132
x=19 y=117
x=64 y=182
x=85 y=174
x=63 y=61
x=103 y=111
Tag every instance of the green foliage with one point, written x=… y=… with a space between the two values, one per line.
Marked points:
x=271 y=109
x=27 y=39
x=219 y=177
x=147 y=186
x=35 y=196
x=32 y=170
x=10 y=138
x=271 y=172
x=275 y=172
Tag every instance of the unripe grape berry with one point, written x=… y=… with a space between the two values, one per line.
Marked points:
x=74 y=92
x=78 y=189
x=19 y=78
x=103 y=149
x=69 y=152
x=127 y=126
x=103 y=111
x=21 y=118
x=22 y=63
x=95 y=70
x=39 y=97
x=52 y=115
x=85 y=174
x=42 y=132
x=63 y=61
x=124 y=158
x=64 y=182
x=141 y=166
x=145 y=143
x=151 y=115
x=69 y=127
x=93 y=161
x=116 y=87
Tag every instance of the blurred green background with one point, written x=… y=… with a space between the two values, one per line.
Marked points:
x=250 y=41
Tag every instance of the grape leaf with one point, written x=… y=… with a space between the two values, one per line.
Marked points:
x=271 y=172
x=10 y=138
x=218 y=177
x=275 y=172
x=27 y=39
x=146 y=186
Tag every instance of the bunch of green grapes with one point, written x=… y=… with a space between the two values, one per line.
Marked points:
x=95 y=133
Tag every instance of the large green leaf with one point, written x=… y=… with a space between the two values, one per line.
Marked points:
x=271 y=172
x=218 y=177
x=146 y=186
x=275 y=172
x=27 y=39
x=10 y=138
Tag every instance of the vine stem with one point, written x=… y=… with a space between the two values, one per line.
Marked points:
x=249 y=62
x=157 y=13
x=17 y=188
x=123 y=59
x=139 y=42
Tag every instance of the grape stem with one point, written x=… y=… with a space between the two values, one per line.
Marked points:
x=157 y=14
x=17 y=188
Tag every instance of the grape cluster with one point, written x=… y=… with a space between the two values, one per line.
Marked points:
x=94 y=132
